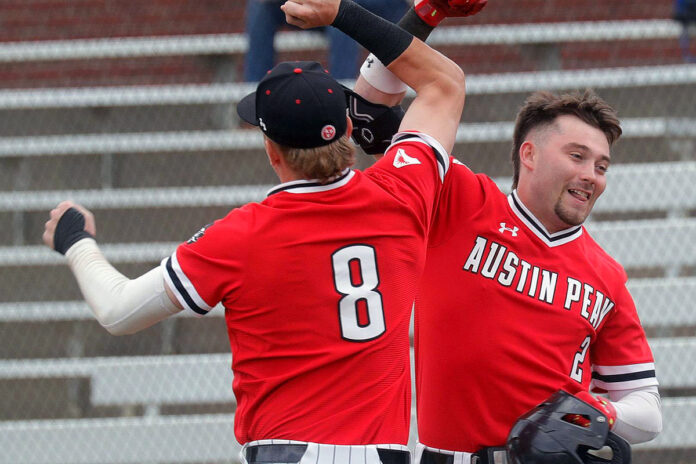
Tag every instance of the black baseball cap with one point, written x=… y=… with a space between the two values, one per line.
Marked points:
x=297 y=104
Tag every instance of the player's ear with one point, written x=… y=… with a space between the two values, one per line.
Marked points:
x=528 y=155
x=349 y=126
x=272 y=151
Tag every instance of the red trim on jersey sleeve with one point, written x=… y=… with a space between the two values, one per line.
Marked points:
x=621 y=357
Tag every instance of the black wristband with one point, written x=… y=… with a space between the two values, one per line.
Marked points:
x=370 y=31
x=414 y=24
x=70 y=229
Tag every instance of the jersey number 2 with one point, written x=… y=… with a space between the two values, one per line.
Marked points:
x=356 y=278
x=576 y=371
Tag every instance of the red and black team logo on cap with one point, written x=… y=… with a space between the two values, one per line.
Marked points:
x=328 y=132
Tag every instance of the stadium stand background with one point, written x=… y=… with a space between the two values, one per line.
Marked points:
x=128 y=107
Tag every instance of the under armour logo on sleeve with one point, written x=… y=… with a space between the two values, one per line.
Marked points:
x=513 y=230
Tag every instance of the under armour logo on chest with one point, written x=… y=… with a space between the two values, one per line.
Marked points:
x=513 y=230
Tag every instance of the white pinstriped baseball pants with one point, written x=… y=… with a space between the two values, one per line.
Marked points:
x=317 y=453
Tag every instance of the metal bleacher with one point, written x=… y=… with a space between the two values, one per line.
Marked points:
x=310 y=41
x=171 y=401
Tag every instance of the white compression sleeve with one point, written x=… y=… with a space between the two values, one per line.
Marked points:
x=638 y=414
x=121 y=305
x=379 y=77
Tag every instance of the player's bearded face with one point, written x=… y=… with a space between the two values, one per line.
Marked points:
x=572 y=171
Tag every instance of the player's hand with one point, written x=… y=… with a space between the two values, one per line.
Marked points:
x=306 y=14
x=77 y=225
x=596 y=402
x=434 y=11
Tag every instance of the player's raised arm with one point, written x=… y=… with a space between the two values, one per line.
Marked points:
x=378 y=86
x=438 y=81
x=121 y=305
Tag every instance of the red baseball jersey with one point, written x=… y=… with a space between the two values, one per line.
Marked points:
x=318 y=282
x=508 y=313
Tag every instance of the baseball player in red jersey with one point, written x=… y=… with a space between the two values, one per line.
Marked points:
x=517 y=300
x=317 y=280
x=532 y=303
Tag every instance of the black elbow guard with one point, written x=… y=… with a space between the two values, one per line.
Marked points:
x=374 y=125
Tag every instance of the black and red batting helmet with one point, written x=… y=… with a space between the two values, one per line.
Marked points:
x=545 y=435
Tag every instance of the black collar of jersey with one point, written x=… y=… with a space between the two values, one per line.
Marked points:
x=311 y=186
x=526 y=216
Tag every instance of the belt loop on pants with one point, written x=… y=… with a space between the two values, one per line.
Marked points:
x=295 y=452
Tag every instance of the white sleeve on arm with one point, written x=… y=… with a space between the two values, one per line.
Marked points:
x=121 y=305
x=379 y=77
x=638 y=413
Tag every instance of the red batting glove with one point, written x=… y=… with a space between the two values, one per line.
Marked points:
x=596 y=402
x=434 y=11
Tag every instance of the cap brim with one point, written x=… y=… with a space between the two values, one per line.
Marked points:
x=246 y=109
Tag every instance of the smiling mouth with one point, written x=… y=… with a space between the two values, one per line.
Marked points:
x=579 y=194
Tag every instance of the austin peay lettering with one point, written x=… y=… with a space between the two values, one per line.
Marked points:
x=492 y=260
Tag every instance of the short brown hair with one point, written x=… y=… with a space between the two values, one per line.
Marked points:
x=321 y=163
x=542 y=109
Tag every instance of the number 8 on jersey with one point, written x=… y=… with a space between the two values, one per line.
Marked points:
x=366 y=290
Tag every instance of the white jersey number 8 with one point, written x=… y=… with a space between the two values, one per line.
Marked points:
x=348 y=309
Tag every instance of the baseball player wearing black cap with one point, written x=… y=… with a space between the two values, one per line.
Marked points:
x=318 y=279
